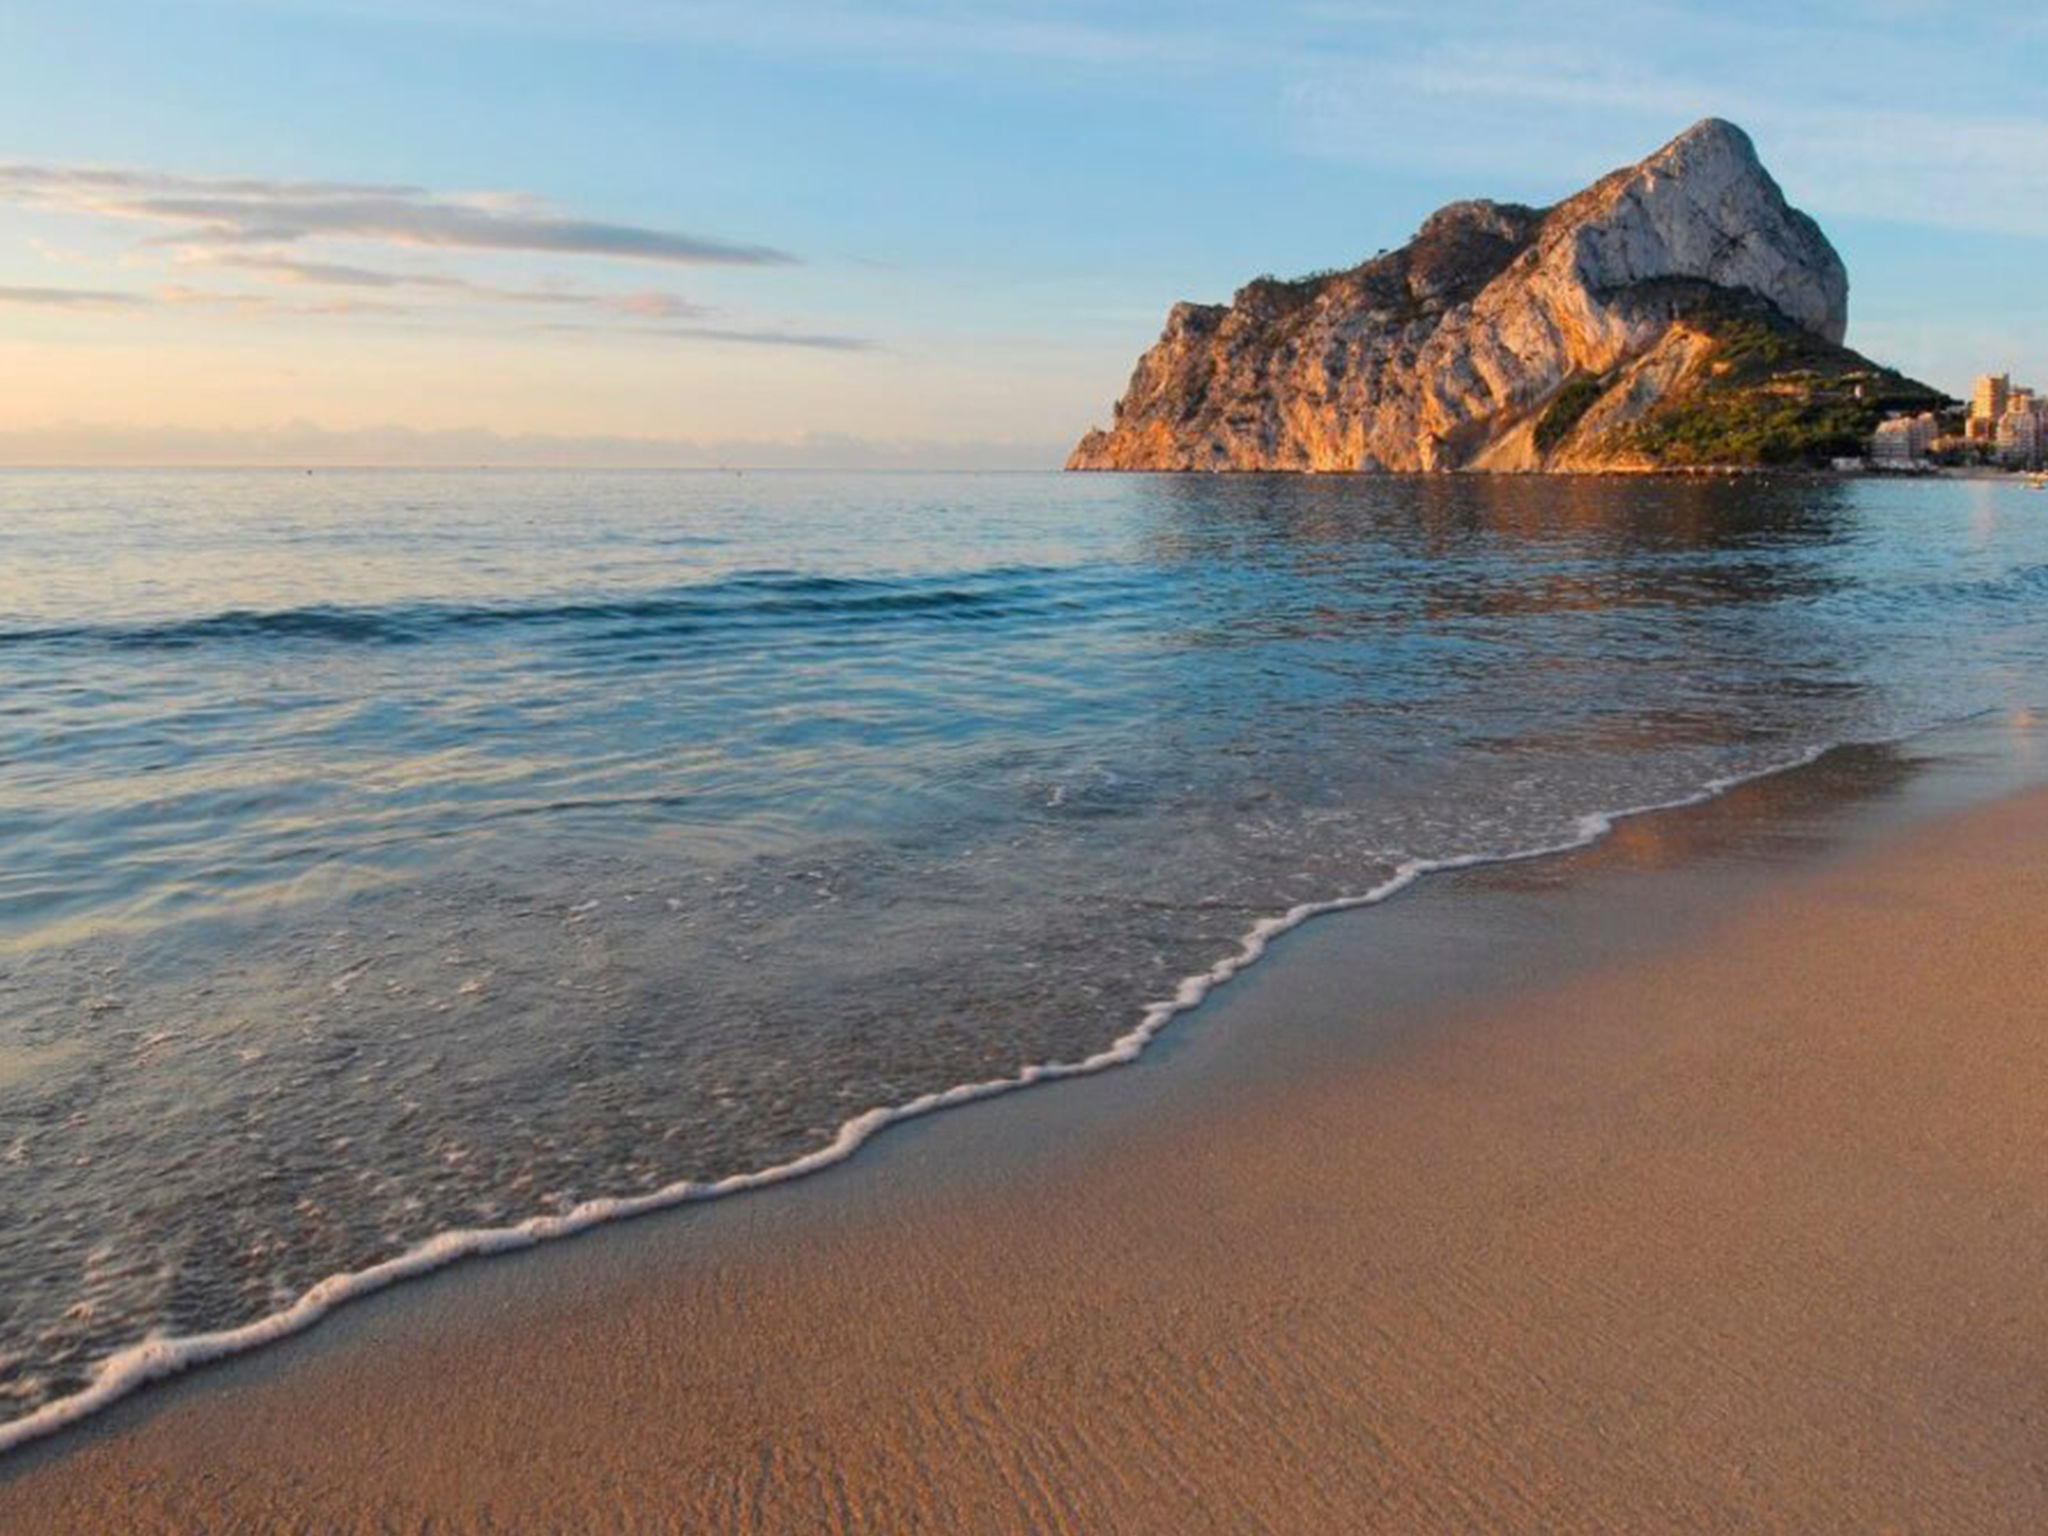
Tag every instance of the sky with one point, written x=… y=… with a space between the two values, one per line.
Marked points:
x=900 y=232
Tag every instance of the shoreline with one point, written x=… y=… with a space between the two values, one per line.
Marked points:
x=928 y=1181
x=153 y=1360
x=1987 y=473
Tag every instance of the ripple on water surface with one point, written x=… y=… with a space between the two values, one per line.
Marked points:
x=387 y=854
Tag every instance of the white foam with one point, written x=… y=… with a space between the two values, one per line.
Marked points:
x=156 y=1357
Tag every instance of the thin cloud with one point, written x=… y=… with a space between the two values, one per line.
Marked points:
x=654 y=306
x=184 y=296
x=279 y=267
x=293 y=269
x=1542 y=120
x=644 y=306
x=892 y=33
x=651 y=305
x=244 y=211
x=810 y=341
x=68 y=298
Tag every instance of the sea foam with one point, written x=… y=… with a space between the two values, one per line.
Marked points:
x=157 y=1357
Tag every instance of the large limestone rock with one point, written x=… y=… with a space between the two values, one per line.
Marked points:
x=1445 y=354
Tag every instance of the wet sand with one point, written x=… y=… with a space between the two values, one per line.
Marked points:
x=1696 y=1183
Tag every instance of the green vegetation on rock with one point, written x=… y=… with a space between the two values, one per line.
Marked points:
x=1567 y=408
x=1772 y=394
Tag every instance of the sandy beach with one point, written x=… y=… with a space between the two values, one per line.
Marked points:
x=1729 y=1214
x=922 y=769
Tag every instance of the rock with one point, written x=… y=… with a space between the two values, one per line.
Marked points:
x=1447 y=353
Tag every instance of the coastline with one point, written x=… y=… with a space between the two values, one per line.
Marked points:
x=155 y=1359
x=1984 y=473
x=696 y=1337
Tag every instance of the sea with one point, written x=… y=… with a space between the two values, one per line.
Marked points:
x=396 y=866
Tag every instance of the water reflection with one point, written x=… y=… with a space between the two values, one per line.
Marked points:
x=520 y=839
x=1536 y=616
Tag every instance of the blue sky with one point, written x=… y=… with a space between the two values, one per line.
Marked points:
x=786 y=230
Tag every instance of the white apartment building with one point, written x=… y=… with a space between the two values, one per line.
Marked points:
x=1904 y=439
x=2022 y=429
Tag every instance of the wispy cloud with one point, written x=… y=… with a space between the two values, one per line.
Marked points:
x=225 y=211
x=653 y=308
x=1549 y=108
x=1882 y=107
x=807 y=341
x=185 y=296
x=650 y=305
x=270 y=233
x=294 y=269
x=284 y=268
x=919 y=34
x=68 y=298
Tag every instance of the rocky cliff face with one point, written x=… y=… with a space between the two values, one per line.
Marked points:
x=1501 y=337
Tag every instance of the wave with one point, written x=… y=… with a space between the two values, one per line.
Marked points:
x=2021 y=584
x=745 y=599
x=158 y=1357
x=753 y=602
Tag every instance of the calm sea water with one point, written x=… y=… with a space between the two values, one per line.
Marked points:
x=382 y=854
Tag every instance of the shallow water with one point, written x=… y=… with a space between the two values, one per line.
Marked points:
x=385 y=853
